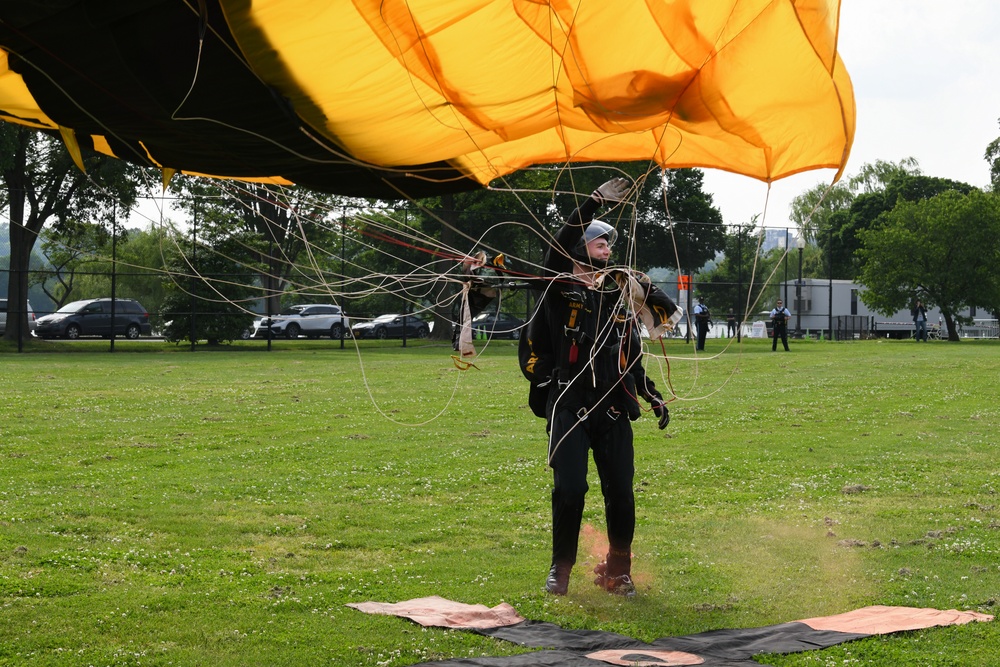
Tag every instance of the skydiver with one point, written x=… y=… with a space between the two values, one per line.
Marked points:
x=583 y=351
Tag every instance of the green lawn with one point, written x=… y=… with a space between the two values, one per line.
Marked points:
x=159 y=507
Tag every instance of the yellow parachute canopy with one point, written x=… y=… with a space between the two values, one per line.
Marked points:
x=415 y=97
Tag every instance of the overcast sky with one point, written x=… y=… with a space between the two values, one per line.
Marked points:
x=926 y=80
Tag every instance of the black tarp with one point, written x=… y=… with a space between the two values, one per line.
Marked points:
x=715 y=648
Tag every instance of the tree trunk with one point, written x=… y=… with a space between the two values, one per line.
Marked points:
x=949 y=322
x=22 y=241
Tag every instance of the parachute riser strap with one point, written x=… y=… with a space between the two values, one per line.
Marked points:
x=572 y=326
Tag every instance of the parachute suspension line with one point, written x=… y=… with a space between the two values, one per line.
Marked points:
x=387 y=416
x=202 y=25
x=696 y=358
x=751 y=303
x=601 y=339
x=312 y=258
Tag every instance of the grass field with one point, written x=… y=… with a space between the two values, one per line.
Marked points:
x=159 y=507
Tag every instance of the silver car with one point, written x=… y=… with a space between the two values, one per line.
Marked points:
x=308 y=319
x=3 y=317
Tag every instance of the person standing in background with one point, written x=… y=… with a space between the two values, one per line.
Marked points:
x=779 y=318
x=920 y=322
x=702 y=321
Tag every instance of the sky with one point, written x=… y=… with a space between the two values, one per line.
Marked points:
x=926 y=78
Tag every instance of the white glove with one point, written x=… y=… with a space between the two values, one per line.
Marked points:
x=611 y=191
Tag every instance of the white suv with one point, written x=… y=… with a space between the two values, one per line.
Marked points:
x=310 y=319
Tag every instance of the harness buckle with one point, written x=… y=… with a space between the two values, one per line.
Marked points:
x=582 y=414
x=614 y=413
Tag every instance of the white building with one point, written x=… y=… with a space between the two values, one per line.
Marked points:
x=817 y=309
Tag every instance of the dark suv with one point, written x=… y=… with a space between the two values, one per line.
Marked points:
x=92 y=317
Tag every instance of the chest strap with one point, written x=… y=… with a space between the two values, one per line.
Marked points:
x=572 y=326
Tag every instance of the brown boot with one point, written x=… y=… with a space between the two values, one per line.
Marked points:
x=614 y=574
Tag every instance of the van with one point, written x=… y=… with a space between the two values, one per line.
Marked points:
x=92 y=317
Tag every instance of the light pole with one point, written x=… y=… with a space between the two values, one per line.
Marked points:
x=800 y=243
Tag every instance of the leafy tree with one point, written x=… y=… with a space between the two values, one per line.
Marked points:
x=276 y=225
x=865 y=210
x=520 y=213
x=385 y=262
x=727 y=284
x=942 y=250
x=676 y=221
x=830 y=215
x=812 y=210
x=73 y=248
x=141 y=262
x=211 y=288
x=915 y=188
x=83 y=258
x=511 y=218
x=678 y=224
x=992 y=157
x=876 y=176
x=40 y=182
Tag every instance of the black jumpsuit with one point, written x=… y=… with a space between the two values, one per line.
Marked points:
x=590 y=343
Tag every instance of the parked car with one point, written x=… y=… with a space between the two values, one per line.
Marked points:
x=92 y=317
x=497 y=325
x=3 y=317
x=310 y=319
x=391 y=326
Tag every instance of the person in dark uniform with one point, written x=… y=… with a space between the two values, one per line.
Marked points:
x=730 y=323
x=587 y=346
x=702 y=322
x=920 y=322
x=779 y=318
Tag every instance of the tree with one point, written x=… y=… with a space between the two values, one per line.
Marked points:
x=510 y=218
x=83 y=258
x=811 y=211
x=866 y=209
x=992 y=157
x=71 y=249
x=40 y=182
x=211 y=286
x=675 y=220
x=829 y=215
x=678 y=224
x=942 y=250
x=726 y=285
x=141 y=260
x=276 y=223
x=385 y=262
x=874 y=177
